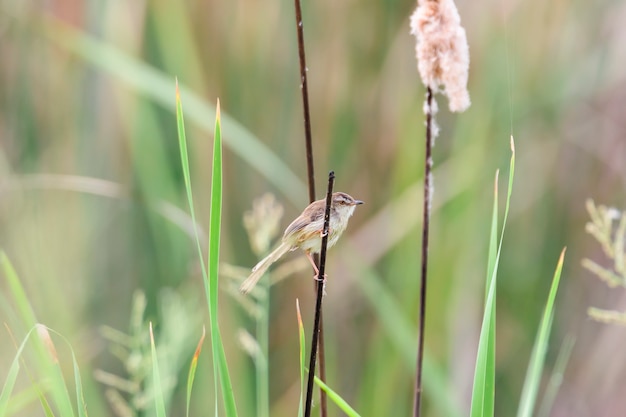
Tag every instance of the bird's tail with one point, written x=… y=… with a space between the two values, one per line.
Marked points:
x=260 y=268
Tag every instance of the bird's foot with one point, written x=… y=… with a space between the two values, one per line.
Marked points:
x=322 y=234
x=323 y=281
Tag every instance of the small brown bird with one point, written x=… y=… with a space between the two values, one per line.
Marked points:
x=305 y=232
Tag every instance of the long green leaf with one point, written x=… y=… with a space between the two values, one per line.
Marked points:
x=80 y=397
x=483 y=391
x=538 y=355
x=215 y=224
x=336 y=398
x=302 y=340
x=81 y=406
x=17 y=291
x=184 y=158
x=210 y=278
x=49 y=369
x=159 y=402
x=9 y=383
x=14 y=370
x=192 y=369
x=556 y=378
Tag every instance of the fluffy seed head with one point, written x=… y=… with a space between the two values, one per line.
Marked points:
x=441 y=50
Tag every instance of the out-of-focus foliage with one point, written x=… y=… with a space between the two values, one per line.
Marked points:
x=92 y=200
x=608 y=227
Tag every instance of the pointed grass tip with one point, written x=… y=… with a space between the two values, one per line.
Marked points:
x=199 y=346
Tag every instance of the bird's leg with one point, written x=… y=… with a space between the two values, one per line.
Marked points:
x=310 y=258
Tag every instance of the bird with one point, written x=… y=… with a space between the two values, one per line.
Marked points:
x=305 y=233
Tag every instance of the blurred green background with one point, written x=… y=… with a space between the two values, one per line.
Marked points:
x=92 y=203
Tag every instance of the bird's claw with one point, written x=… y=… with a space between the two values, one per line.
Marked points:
x=323 y=281
x=318 y=279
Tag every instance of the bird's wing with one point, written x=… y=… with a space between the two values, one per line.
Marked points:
x=297 y=225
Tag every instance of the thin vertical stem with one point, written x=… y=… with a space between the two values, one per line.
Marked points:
x=311 y=178
x=305 y=103
x=320 y=294
x=428 y=165
x=262 y=365
x=322 y=358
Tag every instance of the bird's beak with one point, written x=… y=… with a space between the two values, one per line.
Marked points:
x=358 y=202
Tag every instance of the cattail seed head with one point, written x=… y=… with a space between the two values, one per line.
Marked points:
x=441 y=50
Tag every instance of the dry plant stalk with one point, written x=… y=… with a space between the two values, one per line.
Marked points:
x=442 y=60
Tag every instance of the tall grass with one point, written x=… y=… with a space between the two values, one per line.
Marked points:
x=210 y=275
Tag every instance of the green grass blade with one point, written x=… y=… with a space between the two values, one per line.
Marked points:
x=46 y=407
x=81 y=406
x=17 y=291
x=538 y=356
x=210 y=277
x=483 y=391
x=483 y=394
x=557 y=377
x=489 y=381
x=44 y=334
x=225 y=382
x=159 y=402
x=59 y=389
x=336 y=398
x=192 y=369
x=215 y=223
x=28 y=318
x=184 y=156
x=80 y=398
x=49 y=368
x=9 y=383
x=184 y=159
x=8 y=386
x=302 y=341
x=23 y=399
x=156 y=85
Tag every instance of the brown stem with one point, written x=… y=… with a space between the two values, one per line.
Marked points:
x=310 y=175
x=318 y=302
x=322 y=360
x=428 y=165
x=305 y=103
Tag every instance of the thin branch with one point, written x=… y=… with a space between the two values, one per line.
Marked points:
x=428 y=165
x=320 y=294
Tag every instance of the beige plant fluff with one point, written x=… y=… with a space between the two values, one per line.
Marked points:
x=441 y=50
